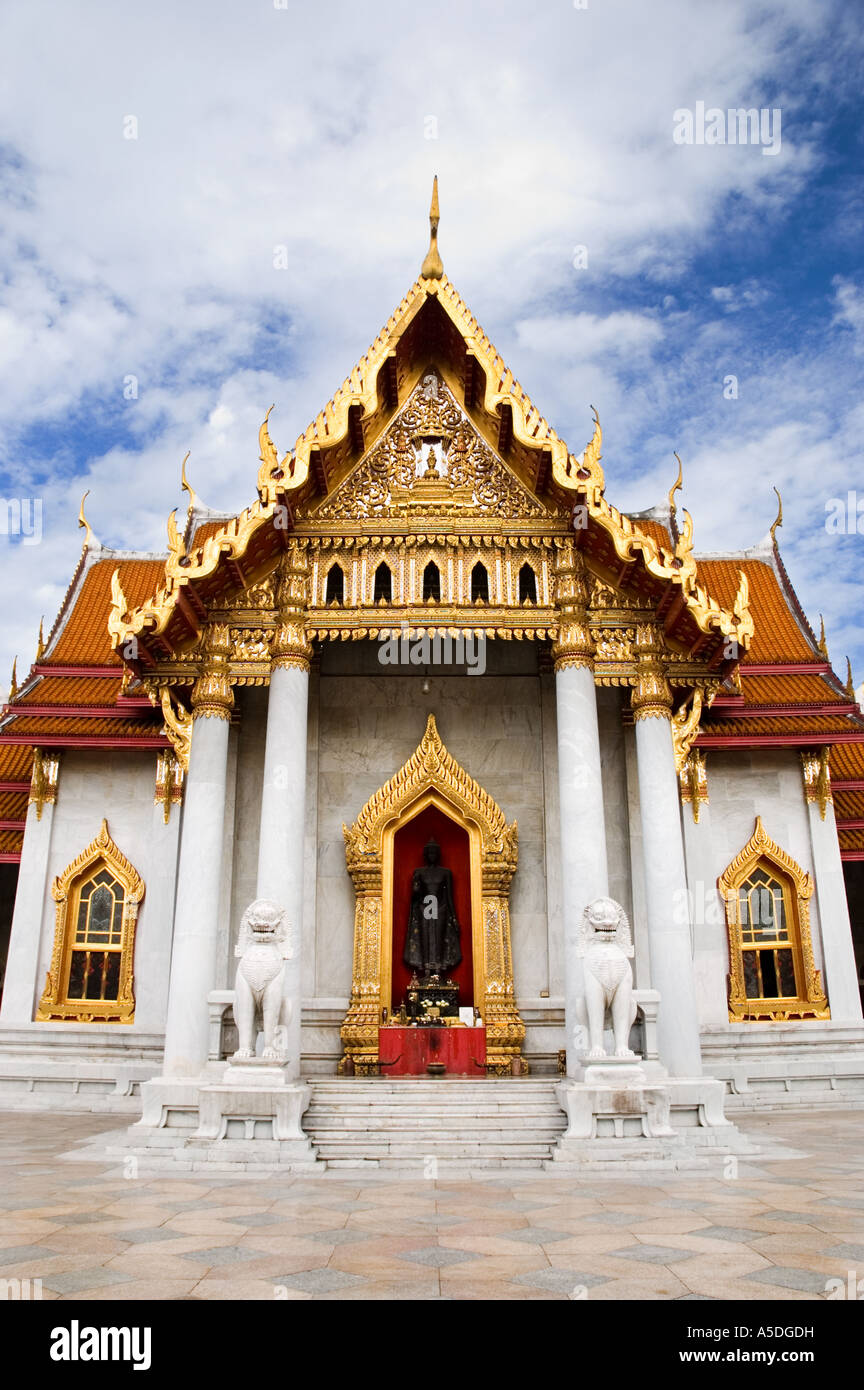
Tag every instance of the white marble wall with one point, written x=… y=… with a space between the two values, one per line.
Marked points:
x=369 y=723
x=741 y=785
x=119 y=785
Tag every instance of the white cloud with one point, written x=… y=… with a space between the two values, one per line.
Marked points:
x=304 y=128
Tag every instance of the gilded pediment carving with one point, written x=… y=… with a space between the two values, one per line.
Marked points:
x=432 y=462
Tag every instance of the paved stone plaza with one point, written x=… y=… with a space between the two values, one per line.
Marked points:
x=779 y=1230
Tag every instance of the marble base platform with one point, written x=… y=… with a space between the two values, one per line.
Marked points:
x=621 y=1112
x=247 y=1114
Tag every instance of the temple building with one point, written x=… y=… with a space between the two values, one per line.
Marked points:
x=430 y=625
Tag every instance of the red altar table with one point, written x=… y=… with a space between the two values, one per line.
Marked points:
x=408 y=1051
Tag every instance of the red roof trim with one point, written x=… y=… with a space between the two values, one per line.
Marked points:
x=40 y=669
x=812 y=738
x=75 y=711
x=81 y=741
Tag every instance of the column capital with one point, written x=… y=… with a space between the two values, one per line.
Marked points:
x=651 y=697
x=212 y=695
x=574 y=645
x=290 y=645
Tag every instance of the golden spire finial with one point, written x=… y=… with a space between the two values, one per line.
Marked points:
x=84 y=523
x=779 y=519
x=676 y=486
x=850 y=684
x=185 y=483
x=822 y=643
x=13 y=679
x=433 y=268
x=40 y=644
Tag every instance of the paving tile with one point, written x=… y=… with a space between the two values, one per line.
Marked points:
x=79 y=1280
x=437 y=1256
x=320 y=1281
x=537 y=1235
x=258 y=1218
x=739 y=1234
x=147 y=1235
x=17 y=1254
x=804 y=1279
x=846 y=1252
x=560 y=1280
x=223 y=1255
x=343 y=1236
x=653 y=1254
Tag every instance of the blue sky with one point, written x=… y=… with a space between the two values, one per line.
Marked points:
x=318 y=129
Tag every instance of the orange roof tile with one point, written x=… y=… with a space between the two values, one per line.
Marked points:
x=13 y=805
x=656 y=530
x=781 y=724
x=16 y=763
x=789 y=690
x=10 y=841
x=84 y=640
x=847 y=761
x=204 y=532
x=778 y=636
x=72 y=690
x=87 y=728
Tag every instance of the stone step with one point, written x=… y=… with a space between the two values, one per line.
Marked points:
x=325 y=1124
x=466 y=1112
x=366 y=1147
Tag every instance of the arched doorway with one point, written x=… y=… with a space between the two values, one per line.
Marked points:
x=382 y=848
x=431 y=823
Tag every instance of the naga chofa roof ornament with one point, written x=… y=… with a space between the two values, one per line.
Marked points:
x=364 y=399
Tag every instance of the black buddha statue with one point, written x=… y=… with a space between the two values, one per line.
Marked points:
x=432 y=941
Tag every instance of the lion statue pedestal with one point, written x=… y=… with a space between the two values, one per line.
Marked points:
x=254 y=1113
x=617 y=1105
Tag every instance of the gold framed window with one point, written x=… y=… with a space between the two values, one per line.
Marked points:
x=772 y=975
x=97 y=897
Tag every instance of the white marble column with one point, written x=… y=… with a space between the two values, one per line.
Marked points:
x=283 y=816
x=21 y=987
x=283 y=797
x=840 y=973
x=199 y=875
x=584 y=873
x=710 y=935
x=666 y=898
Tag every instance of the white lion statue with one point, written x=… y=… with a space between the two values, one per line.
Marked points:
x=263 y=946
x=605 y=942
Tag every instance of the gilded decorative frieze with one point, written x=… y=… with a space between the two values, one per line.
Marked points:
x=431 y=461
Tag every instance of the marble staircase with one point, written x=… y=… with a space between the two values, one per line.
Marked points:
x=380 y=1122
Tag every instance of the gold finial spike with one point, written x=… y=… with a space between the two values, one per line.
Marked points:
x=779 y=518
x=40 y=644
x=850 y=684
x=84 y=523
x=13 y=679
x=676 y=486
x=433 y=268
x=822 y=643
x=185 y=483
